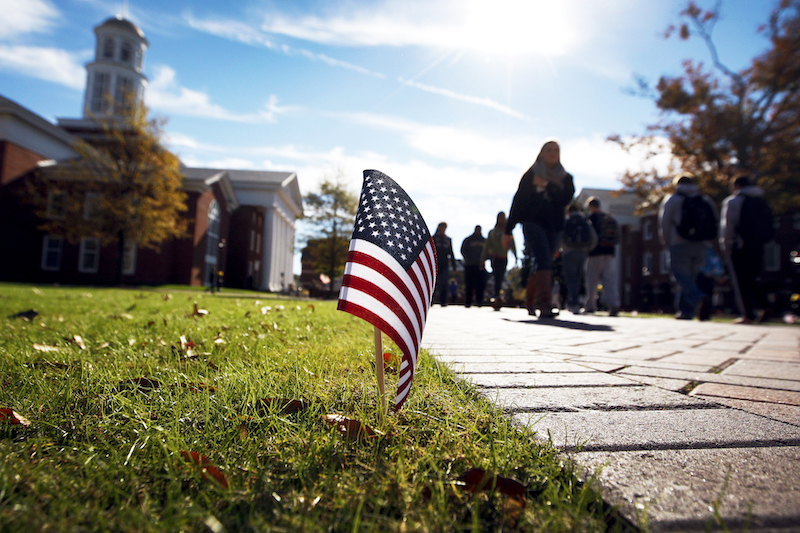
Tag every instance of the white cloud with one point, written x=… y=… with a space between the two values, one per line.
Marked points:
x=165 y=93
x=50 y=64
x=509 y=27
x=26 y=16
x=485 y=102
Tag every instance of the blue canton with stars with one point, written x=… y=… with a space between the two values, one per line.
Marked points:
x=389 y=219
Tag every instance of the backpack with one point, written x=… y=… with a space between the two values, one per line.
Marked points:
x=755 y=222
x=577 y=233
x=698 y=222
x=609 y=231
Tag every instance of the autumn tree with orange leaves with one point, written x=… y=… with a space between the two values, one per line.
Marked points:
x=716 y=122
x=123 y=186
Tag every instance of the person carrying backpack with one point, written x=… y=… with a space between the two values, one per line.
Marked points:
x=601 y=268
x=687 y=223
x=577 y=239
x=746 y=226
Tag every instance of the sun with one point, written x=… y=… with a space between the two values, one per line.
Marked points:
x=518 y=27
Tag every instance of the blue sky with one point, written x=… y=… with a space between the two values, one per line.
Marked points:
x=452 y=99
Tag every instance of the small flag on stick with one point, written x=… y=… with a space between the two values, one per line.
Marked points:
x=390 y=273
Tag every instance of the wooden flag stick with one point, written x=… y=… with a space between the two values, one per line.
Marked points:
x=379 y=370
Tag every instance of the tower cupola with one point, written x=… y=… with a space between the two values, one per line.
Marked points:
x=117 y=68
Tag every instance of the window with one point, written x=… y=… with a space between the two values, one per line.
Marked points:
x=55 y=204
x=100 y=90
x=252 y=240
x=212 y=243
x=89 y=257
x=664 y=262
x=126 y=52
x=258 y=243
x=647 y=230
x=647 y=264
x=628 y=267
x=123 y=96
x=52 y=248
x=108 y=48
x=772 y=257
x=90 y=204
x=129 y=258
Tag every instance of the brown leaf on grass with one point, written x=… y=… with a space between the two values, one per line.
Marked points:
x=9 y=416
x=30 y=314
x=186 y=346
x=206 y=467
x=50 y=364
x=143 y=383
x=197 y=387
x=198 y=312
x=283 y=406
x=478 y=479
x=45 y=347
x=350 y=428
x=166 y=297
x=79 y=341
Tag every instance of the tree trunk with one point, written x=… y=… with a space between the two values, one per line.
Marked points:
x=332 y=265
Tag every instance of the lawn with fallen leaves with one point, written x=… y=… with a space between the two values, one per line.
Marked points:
x=147 y=410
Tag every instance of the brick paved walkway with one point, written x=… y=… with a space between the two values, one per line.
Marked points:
x=680 y=420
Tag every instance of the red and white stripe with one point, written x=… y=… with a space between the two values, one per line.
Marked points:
x=377 y=289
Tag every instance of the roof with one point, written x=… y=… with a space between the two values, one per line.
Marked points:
x=122 y=24
x=10 y=108
x=282 y=181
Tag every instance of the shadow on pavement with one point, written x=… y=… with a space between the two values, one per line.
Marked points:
x=560 y=323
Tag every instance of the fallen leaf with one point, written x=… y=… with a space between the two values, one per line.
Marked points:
x=284 y=406
x=142 y=383
x=166 y=297
x=9 y=416
x=199 y=312
x=478 y=479
x=51 y=364
x=30 y=314
x=197 y=387
x=350 y=428
x=79 y=341
x=45 y=348
x=207 y=468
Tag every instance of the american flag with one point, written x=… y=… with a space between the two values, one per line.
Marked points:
x=391 y=270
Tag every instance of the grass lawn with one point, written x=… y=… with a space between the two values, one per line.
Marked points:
x=147 y=414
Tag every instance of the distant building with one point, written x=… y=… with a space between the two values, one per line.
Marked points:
x=242 y=223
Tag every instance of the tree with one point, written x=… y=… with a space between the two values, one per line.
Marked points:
x=122 y=187
x=332 y=212
x=718 y=123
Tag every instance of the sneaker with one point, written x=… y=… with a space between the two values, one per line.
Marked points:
x=742 y=320
x=614 y=311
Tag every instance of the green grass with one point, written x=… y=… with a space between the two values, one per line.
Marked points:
x=103 y=453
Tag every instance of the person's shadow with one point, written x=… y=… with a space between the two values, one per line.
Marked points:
x=561 y=323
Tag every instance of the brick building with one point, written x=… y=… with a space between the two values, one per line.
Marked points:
x=241 y=223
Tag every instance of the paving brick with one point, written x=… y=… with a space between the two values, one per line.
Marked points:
x=781 y=412
x=666 y=429
x=468 y=359
x=677 y=491
x=747 y=393
x=572 y=379
x=594 y=398
x=691 y=357
x=513 y=366
x=661 y=383
x=764 y=369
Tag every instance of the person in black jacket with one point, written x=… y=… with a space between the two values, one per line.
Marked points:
x=543 y=194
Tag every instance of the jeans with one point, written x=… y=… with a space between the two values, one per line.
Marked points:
x=574 y=261
x=601 y=269
x=686 y=261
x=540 y=244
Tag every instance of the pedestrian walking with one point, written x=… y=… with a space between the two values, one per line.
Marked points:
x=497 y=253
x=543 y=193
x=687 y=224
x=446 y=259
x=746 y=226
x=474 y=269
x=601 y=267
x=577 y=239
